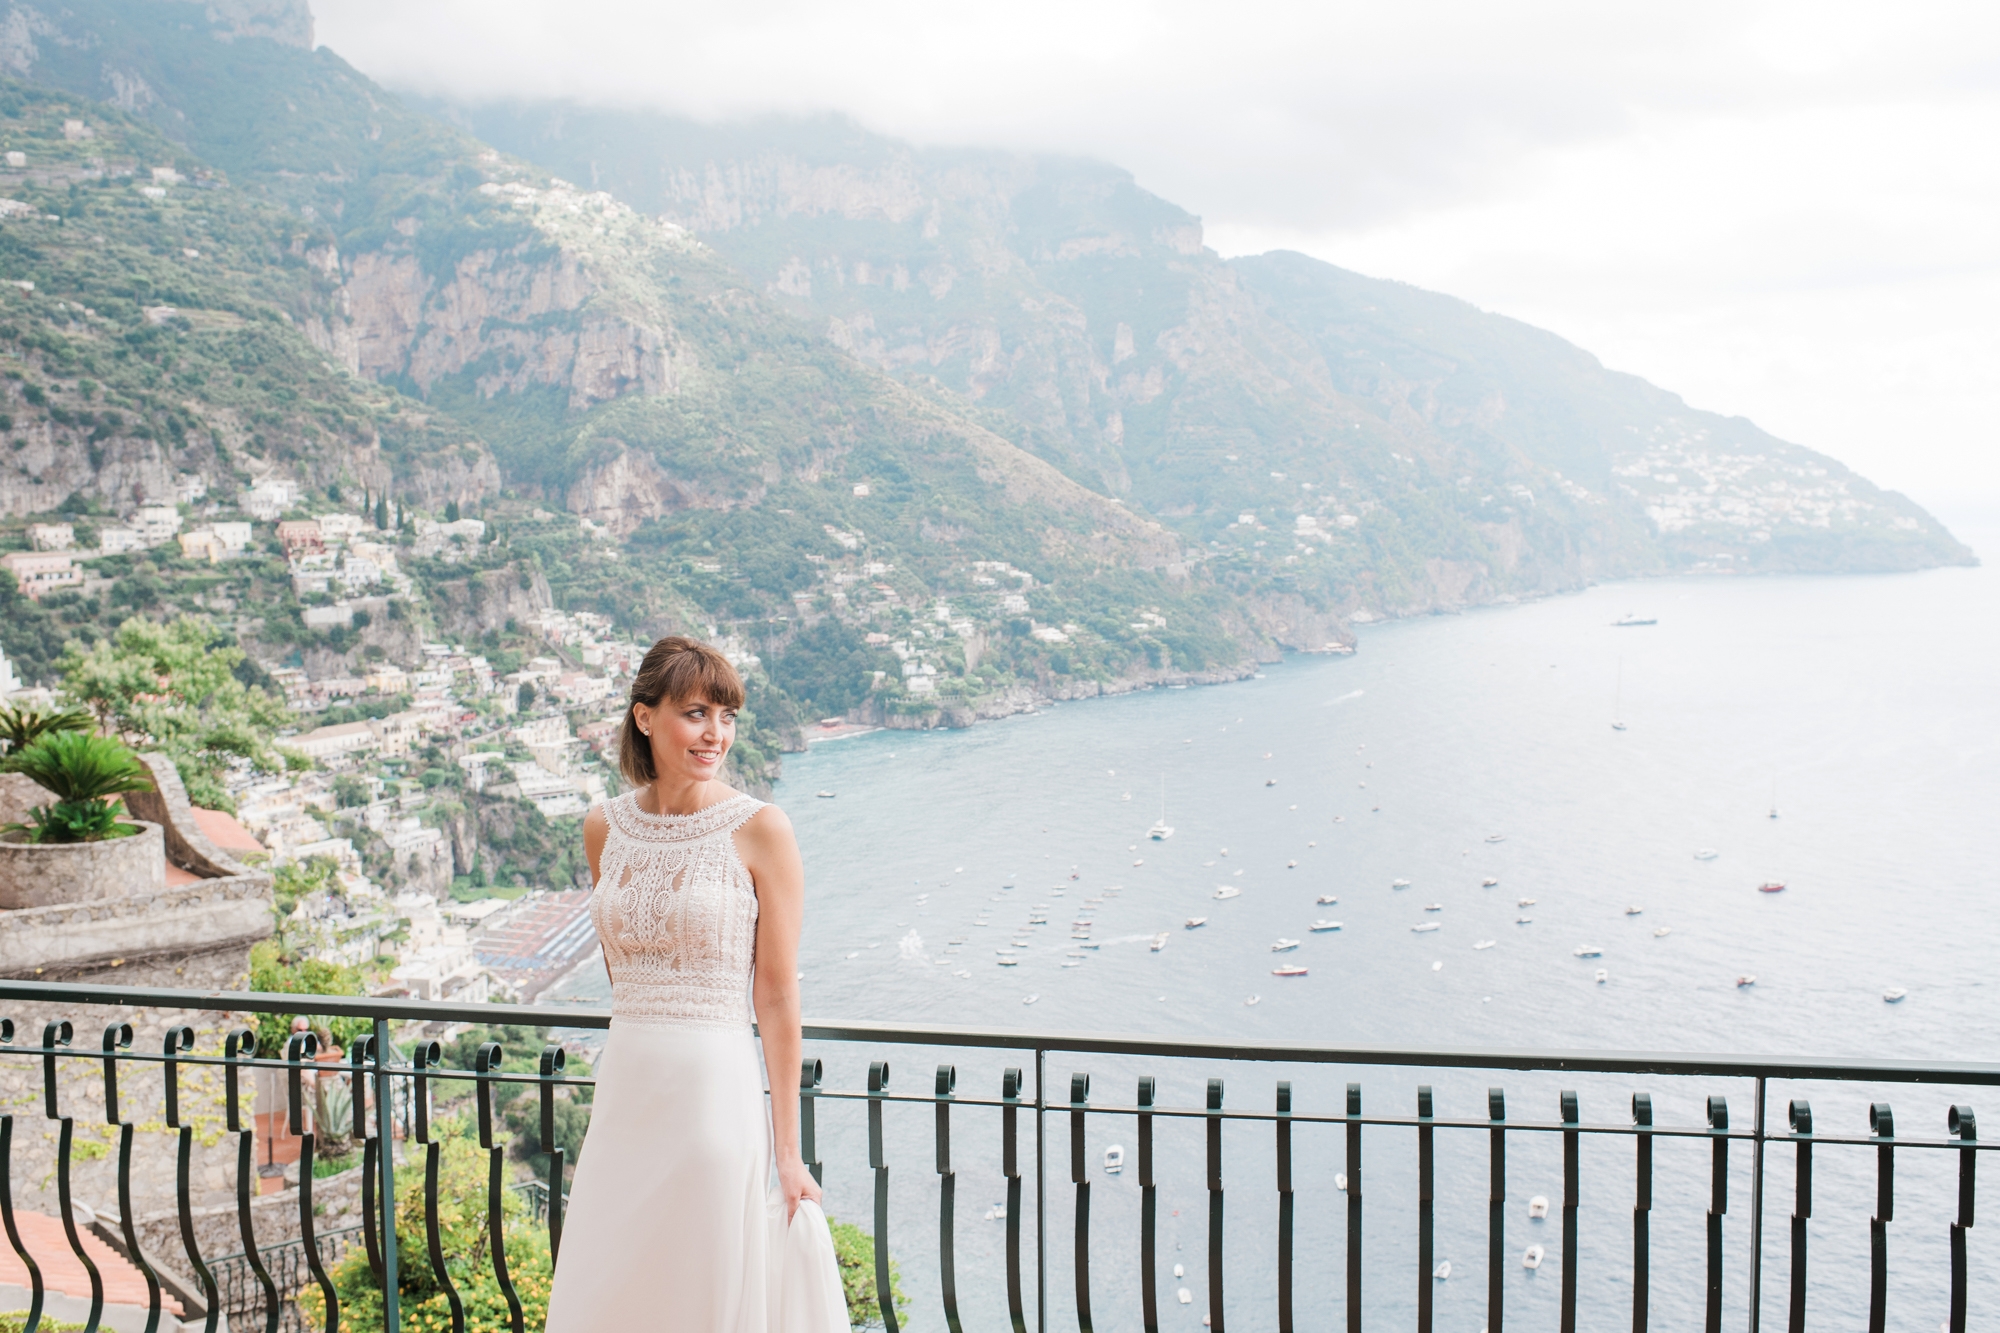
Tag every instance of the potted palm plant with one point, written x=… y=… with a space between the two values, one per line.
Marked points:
x=78 y=846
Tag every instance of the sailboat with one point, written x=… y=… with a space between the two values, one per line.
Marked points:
x=1618 y=698
x=1161 y=829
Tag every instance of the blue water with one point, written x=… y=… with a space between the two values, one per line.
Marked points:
x=1863 y=706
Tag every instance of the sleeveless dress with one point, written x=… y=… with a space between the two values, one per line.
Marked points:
x=675 y=1224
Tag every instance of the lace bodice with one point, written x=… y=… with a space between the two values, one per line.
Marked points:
x=677 y=914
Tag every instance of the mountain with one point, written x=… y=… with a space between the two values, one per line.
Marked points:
x=793 y=381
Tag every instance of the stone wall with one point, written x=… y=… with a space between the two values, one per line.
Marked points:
x=54 y=874
x=105 y=938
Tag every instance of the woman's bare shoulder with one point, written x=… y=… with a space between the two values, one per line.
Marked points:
x=769 y=825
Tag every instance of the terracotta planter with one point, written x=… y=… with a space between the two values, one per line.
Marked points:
x=47 y=874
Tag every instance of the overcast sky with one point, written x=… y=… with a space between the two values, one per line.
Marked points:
x=1789 y=211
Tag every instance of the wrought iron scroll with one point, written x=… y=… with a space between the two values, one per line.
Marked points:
x=487 y=1062
x=1079 y=1175
x=1354 y=1208
x=238 y=1048
x=36 y=1291
x=426 y=1056
x=810 y=1074
x=1010 y=1167
x=1642 y=1209
x=1572 y=1190
x=1496 y=1209
x=1802 y=1128
x=179 y=1041
x=550 y=1071
x=1959 y=1121
x=118 y=1037
x=947 y=1084
x=1882 y=1124
x=1215 y=1204
x=1149 y=1204
x=302 y=1047
x=1718 y=1205
x=1284 y=1134
x=1426 y=1198
x=360 y=1051
x=878 y=1084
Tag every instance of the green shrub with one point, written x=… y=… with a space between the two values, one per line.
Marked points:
x=21 y=727
x=854 y=1250
x=84 y=772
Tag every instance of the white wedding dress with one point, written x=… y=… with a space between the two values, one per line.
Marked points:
x=674 y=1225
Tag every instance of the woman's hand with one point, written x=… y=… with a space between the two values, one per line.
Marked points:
x=797 y=1183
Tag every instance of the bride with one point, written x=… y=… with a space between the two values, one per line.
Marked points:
x=673 y=1223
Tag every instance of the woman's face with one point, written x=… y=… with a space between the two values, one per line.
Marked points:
x=689 y=738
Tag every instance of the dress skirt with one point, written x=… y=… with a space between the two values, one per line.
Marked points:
x=673 y=1224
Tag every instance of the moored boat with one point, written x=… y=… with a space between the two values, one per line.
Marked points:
x=1421 y=927
x=1290 y=970
x=1324 y=925
x=1284 y=946
x=1194 y=923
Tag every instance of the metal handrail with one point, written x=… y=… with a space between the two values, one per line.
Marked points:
x=375 y=1063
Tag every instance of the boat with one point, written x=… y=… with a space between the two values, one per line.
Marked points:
x=1538 y=1207
x=824 y=795
x=1324 y=925
x=1635 y=911
x=1161 y=829
x=1629 y=621
x=1072 y=962
x=1029 y=999
x=1291 y=970
x=1524 y=921
x=1747 y=979
x=1399 y=884
x=1434 y=907
x=1661 y=932
x=1771 y=886
x=1340 y=1181
x=1270 y=782
x=1089 y=946
x=1114 y=1159
x=1284 y=946
x=1533 y=1258
x=1159 y=941
x=1603 y=975
x=1894 y=995
x=1226 y=891
x=1252 y=999
x=1443 y=1271
x=1488 y=882
x=1706 y=854
x=1485 y=944
x=1010 y=962
x=1525 y=902
x=1291 y=865
x=1194 y=923
x=1327 y=900
x=1185 y=1296
x=997 y=1213
x=1496 y=837
x=1587 y=951
x=1425 y=926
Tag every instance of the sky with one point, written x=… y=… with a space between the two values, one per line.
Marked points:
x=1785 y=211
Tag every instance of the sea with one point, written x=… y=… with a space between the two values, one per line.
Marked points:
x=1537 y=828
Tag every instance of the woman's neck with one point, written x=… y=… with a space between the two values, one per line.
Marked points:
x=681 y=796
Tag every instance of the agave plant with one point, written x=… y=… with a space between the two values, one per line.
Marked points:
x=84 y=771
x=24 y=726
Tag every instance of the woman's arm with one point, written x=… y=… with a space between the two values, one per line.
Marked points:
x=772 y=855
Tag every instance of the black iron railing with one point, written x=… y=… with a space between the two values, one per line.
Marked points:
x=241 y=1292
x=383 y=1080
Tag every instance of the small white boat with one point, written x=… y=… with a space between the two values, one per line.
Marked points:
x=1284 y=946
x=1443 y=1271
x=1485 y=944
x=1029 y=999
x=1488 y=882
x=1270 y=782
x=1533 y=1258
x=1159 y=941
x=1496 y=837
x=1399 y=884
x=1603 y=975
x=997 y=1213
x=1291 y=865
x=1635 y=911
x=1425 y=926
x=1114 y=1159
x=1587 y=951
x=1434 y=907
x=1254 y=999
x=1010 y=962
x=1326 y=900
x=1089 y=946
x=1161 y=829
x=1525 y=902
x=1185 y=1296
x=1227 y=891
x=1160 y=832
x=1661 y=932
x=1524 y=921
x=1324 y=925
x=1194 y=923
x=1179 y=1272
x=1747 y=979
x=1288 y=971
x=824 y=795
x=1072 y=962
x=1538 y=1206
x=1706 y=854
x=1894 y=995
x=1340 y=1181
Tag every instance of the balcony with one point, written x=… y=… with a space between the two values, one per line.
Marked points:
x=1276 y=1186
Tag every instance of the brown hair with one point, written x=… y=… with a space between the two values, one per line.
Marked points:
x=679 y=669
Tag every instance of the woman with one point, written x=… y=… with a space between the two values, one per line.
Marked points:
x=699 y=895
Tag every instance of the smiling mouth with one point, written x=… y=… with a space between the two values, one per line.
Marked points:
x=706 y=756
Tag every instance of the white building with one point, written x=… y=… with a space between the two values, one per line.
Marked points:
x=157 y=523
x=233 y=536
x=51 y=536
x=343 y=739
x=338 y=527
x=116 y=540
x=270 y=498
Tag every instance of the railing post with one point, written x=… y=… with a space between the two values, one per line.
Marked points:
x=180 y=1040
x=425 y=1055
x=36 y=1290
x=1041 y=1200
x=1496 y=1210
x=1572 y=1167
x=1149 y=1203
x=885 y=1296
x=947 y=1084
x=1354 y=1208
x=1959 y=1120
x=118 y=1037
x=1802 y=1128
x=1642 y=1210
x=360 y=1051
x=1426 y=1194
x=301 y=1047
x=385 y=1130
x=54 y=1035
x=1010 y=1167
x=1079 y=1098
x=241 y=1045
x=1757 y=1210
x=1718 y=1205
x=1215 y=1205
x=1883 y=1126
x=810 y=1074
x=1284 y=1132
x=487 y=1063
